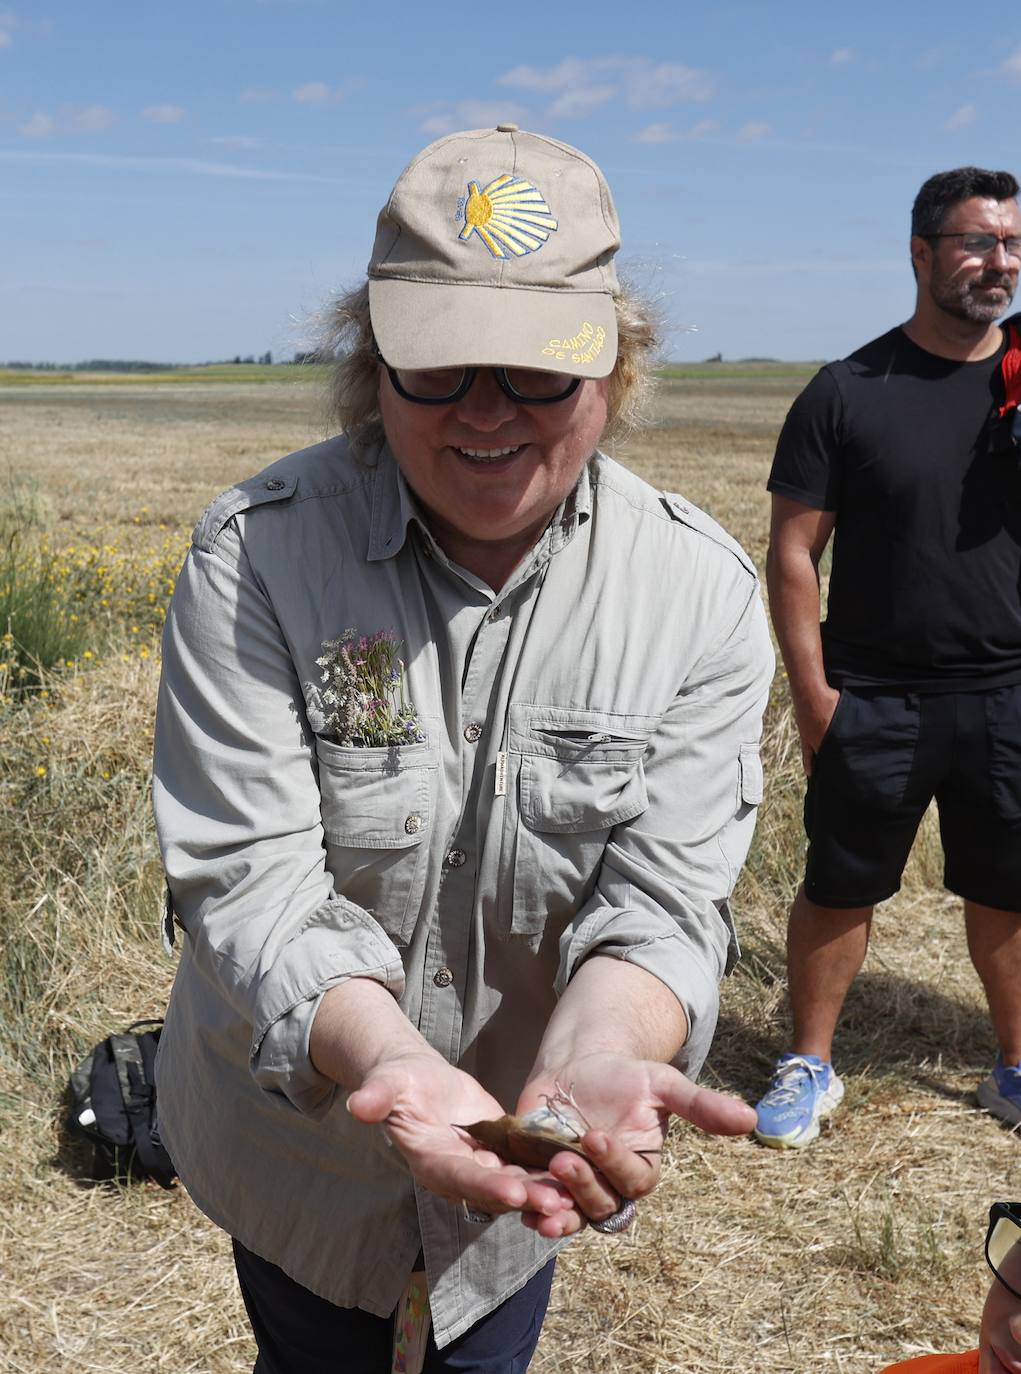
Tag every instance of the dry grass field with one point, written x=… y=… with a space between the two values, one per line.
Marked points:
x=865 y=1249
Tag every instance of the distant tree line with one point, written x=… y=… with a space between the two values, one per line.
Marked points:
x=137 y=364
x=94 y=365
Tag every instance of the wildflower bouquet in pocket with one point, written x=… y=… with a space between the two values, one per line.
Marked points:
x=364 y=697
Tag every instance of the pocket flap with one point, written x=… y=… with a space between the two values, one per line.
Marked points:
x=375 y=798
x=750 y=763
x=566 y=798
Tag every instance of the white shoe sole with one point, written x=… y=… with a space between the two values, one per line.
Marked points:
x=797 y=1140
x=989 y=1097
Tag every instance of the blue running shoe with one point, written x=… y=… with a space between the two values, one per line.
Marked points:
x=803 y=1091
x=1000 y=1093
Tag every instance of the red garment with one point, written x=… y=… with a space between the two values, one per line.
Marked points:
x=1011 y=368
x=937 y=1364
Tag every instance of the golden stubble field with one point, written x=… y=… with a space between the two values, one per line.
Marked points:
x=865 y=1249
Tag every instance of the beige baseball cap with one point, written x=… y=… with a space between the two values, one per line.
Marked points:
x=496 y=249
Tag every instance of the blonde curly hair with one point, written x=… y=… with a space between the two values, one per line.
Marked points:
x=346 y=339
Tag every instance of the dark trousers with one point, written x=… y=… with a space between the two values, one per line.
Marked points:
x=300 y=1333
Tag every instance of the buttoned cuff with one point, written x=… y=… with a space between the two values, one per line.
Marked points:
x=666 y=954
x=339 y=941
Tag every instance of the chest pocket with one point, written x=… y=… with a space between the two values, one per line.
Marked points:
x=579 y=774
x=378 y=808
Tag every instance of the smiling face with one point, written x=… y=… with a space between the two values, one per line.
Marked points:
x=1000 y=1335
x=970 y=288
x=489 y=471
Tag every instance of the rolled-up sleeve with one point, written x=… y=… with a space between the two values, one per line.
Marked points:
x=237 y=806
x=662 y=893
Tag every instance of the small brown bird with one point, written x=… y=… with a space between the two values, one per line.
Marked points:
x=517 y=1141
x=532 y=1140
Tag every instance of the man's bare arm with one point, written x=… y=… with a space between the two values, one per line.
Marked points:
x=798 y=535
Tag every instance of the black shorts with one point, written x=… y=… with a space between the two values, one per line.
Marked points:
x=884 y=758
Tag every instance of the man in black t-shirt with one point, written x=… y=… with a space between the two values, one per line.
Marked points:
x=908 y=453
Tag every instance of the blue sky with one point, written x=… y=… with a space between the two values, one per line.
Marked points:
x=188 y=181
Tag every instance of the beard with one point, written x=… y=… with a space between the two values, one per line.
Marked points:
x=979 y=301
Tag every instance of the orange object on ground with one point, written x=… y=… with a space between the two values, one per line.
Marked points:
x=937 y=1364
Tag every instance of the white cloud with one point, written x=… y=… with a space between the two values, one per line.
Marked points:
x=578 y=85
x=470 y=114
x=68 y=120
x=11 y=23
x=962 y=117
x=656 y=133
x=318 y=93
x=190 y=166
x=163 y=114
x=237 y=143
x=93 y=119
x=582 y=100
x=258 y=95
x=753 y=131
x=839 y=57
x=666 y=133
x=1012 y=66
x=930 y=58
x=702 y=129
x=312 y=93
x=39 y=126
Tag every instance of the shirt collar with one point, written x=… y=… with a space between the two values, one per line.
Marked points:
x=393 y=508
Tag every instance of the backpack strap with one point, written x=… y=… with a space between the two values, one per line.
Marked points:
x=139 y=1104
x=134 y=1058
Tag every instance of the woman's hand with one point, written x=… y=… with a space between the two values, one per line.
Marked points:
x=627 y=1103
x=420 y=1101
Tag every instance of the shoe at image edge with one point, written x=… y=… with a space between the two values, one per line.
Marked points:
x=1000 y=1093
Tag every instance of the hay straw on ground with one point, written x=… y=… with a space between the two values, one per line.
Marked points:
x=865 y=1249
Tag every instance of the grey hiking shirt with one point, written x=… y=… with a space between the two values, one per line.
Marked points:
x=587 y=783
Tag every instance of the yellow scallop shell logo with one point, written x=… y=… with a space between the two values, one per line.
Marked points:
x=509 y=215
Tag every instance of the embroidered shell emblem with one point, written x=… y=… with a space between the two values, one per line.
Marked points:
x=509 y=215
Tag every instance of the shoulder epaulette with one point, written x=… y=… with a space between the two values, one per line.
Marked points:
x=686 y=514
x=256 y=491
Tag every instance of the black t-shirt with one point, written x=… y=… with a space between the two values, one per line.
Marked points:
x=925 y=588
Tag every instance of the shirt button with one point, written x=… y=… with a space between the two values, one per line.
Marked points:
x=473 y=732
x=456 y=858
x=275 y=484
x=443 y=977
x=413 y=823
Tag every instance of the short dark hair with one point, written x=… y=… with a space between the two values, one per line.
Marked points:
x=942 y=192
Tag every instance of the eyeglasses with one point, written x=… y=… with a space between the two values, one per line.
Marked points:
x=439 y=386
x=979 y=245
x=1003 y=1234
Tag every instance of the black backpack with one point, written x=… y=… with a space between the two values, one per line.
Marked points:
x=113 y=1106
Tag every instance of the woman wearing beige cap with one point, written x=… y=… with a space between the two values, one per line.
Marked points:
x=456 y=764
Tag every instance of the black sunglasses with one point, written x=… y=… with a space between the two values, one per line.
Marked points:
x=1003 y=1234
x=442 y=386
